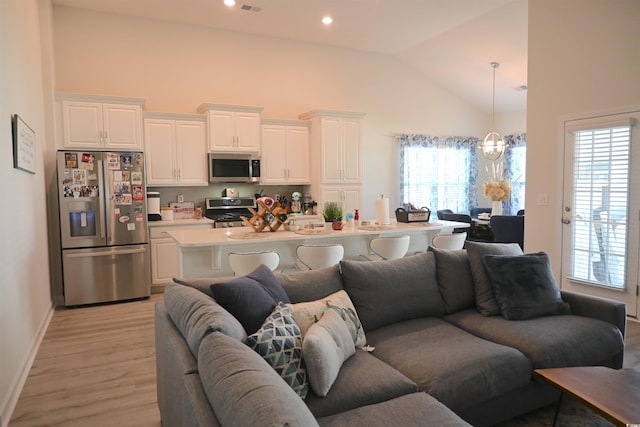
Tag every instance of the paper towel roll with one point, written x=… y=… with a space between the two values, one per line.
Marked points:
x=382 y=211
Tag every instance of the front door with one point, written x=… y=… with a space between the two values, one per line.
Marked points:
x=601 y=208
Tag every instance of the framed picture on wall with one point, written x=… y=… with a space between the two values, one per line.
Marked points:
x=24 y=145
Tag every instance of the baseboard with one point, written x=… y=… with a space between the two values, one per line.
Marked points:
x=7 y=407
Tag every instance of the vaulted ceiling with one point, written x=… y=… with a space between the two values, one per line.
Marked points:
x=452 y=42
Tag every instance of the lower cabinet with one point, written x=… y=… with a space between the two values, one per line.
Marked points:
x=164 y=255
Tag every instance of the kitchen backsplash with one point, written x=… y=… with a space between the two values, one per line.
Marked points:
x=198 y=194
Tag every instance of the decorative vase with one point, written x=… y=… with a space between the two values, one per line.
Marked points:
x=337 y=224
x=496 y=207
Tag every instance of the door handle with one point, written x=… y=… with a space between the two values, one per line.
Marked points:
x=106 y=253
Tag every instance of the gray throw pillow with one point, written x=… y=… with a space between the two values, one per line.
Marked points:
x=250 y=298
x=455 y=281
x=524 y=286
x=327 y=344
x=485 y=298
x=311 y=285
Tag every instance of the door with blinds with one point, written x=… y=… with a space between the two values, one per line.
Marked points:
x=601 y=208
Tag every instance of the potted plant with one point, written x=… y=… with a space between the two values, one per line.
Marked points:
x=333 y=213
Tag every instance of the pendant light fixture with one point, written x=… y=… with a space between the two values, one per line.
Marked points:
x=493 y=145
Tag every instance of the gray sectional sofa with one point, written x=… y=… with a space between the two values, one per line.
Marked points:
x=441 y=354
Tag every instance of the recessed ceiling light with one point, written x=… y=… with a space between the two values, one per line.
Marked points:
x=230 y=2
x=327 y=20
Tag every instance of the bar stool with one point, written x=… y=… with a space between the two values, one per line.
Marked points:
x=311 y=257
x=388 y=247
x=244 y=263
x=452 y=241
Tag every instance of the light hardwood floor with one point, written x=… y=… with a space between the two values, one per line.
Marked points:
x=95 y=367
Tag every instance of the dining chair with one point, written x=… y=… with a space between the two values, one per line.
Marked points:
x=244 y=263
x=311 y=257
x=441 y=212
x=388 y=248
x=451 y=241
x=508 y=229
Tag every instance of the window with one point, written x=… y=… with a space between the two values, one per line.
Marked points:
x=439 y=174
x=515 y=160
x=601 y=168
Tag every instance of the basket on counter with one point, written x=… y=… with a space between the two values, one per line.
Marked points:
x=421 y=215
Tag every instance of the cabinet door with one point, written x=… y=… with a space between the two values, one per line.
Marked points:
x=331 y=152
x=298 y=170
x=160 y=151
x=82 y=124
x=274 y=155
x=222 y=133
x=348 y=197
x=352 y=152
x=191 y=152
x=164 y=260
x=122 y=126
x=248 y=132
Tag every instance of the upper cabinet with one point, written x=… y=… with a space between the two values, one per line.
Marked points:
x=176 y=149
x=100 y=122
x=285 y=152
x=233 y=128
x=336 y=142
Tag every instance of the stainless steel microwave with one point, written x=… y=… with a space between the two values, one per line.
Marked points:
x=237 y=167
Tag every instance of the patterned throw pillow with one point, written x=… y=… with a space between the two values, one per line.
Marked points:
x=279 y=342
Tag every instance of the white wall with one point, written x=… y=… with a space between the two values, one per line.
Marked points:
x=583 y=58
x=25 y=297
x=177 y=67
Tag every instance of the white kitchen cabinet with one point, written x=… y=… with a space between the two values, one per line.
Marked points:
x=95 y=122
x=233 y=128
x=348 y=197
x=176 y=149
x=164 y=250
x=285 y=152
x=336 y=157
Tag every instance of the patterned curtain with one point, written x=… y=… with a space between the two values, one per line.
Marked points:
x=439 y=174
x=514 y=170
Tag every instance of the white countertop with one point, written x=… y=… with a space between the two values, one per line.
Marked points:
x=244 y=235
x=180 y=222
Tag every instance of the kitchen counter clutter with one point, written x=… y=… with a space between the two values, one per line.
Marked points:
x=203 y=253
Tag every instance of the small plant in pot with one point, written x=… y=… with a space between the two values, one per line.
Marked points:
x=333 y=213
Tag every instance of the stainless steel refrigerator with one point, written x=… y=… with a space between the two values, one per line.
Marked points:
x=103 y=226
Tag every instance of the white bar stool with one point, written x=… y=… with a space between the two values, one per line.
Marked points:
x=244 y=263
x=452 y=241
x=311 y=257
x=388 y=247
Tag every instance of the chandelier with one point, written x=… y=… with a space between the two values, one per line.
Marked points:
x=493 y=145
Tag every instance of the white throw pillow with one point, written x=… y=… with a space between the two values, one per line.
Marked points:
x=327 y=344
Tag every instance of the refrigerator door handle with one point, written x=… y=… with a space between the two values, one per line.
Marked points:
x=106 y=253
x=101 y=186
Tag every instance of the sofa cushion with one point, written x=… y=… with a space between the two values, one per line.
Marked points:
x=279 y=342
x=455 y=282
x=524 y=286
x=410 y=410
x=363 y=380
x=457 y=368
x=203 y=284
x=548 y=342
x=311 y=285
x=308 y=313
x=244 y=390
x=196 y=315
x=385 y=292
x=485 y=298
x=326 y=345
x=250 y=298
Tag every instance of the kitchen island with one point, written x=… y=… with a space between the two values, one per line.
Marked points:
x=203 y=252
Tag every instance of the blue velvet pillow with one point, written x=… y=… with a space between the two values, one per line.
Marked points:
x=250 y=298
x=524 y=286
